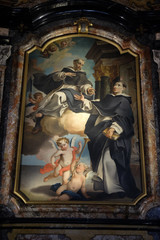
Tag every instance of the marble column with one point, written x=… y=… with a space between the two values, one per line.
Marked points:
x=5 y=52
x=156 y=58
x=106 y=68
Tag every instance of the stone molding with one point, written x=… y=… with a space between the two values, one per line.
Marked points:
x=156 y=58
x=5 y=53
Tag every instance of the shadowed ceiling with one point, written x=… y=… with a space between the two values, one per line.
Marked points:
x=140 y=5
x=135 y=16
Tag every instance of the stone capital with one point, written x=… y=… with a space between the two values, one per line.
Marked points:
x=156 y=57
x=5 y=53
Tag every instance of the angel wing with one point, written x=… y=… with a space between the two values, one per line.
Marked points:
x=54 y=144
x=72 y=142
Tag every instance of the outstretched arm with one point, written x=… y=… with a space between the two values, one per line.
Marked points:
x=60 y=76
x=73 y=164
x=79 y=148
x=79 y=97
x=87 y=89
x=91 y=91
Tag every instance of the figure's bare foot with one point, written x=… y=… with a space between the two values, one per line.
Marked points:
x=49 y=177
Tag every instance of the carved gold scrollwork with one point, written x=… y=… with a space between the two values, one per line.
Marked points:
x=83 y=25
x=102 y=70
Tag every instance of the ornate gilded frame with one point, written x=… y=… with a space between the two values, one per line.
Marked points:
x=17 y=190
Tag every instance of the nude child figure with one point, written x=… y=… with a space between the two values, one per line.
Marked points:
x=66 y=156
x=76 y=183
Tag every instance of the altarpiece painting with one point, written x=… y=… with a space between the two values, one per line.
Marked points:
x=80 y=135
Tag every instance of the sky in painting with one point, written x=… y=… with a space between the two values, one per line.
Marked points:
x=77 y=47
x=64 y=57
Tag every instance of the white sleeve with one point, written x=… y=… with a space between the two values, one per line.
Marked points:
x=84 y=88
x=89 y=107
x=117 y=128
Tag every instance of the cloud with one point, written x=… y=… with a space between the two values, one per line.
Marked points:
x=57 y=61
x=33 y=143
x=74 y=123
x=46 y=151
x=70 y=122
x=52 y=128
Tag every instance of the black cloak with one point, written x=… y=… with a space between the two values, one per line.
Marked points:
x=118 y=107
x=46 y=83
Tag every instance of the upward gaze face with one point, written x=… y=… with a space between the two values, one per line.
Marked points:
x=118 y=88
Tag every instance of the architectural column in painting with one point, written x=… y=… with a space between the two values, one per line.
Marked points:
x=105 y=69
x=105 y=86
x=156 y=57
x=5 y=52
x=104 y=74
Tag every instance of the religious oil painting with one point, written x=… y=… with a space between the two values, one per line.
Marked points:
x=80 y=135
